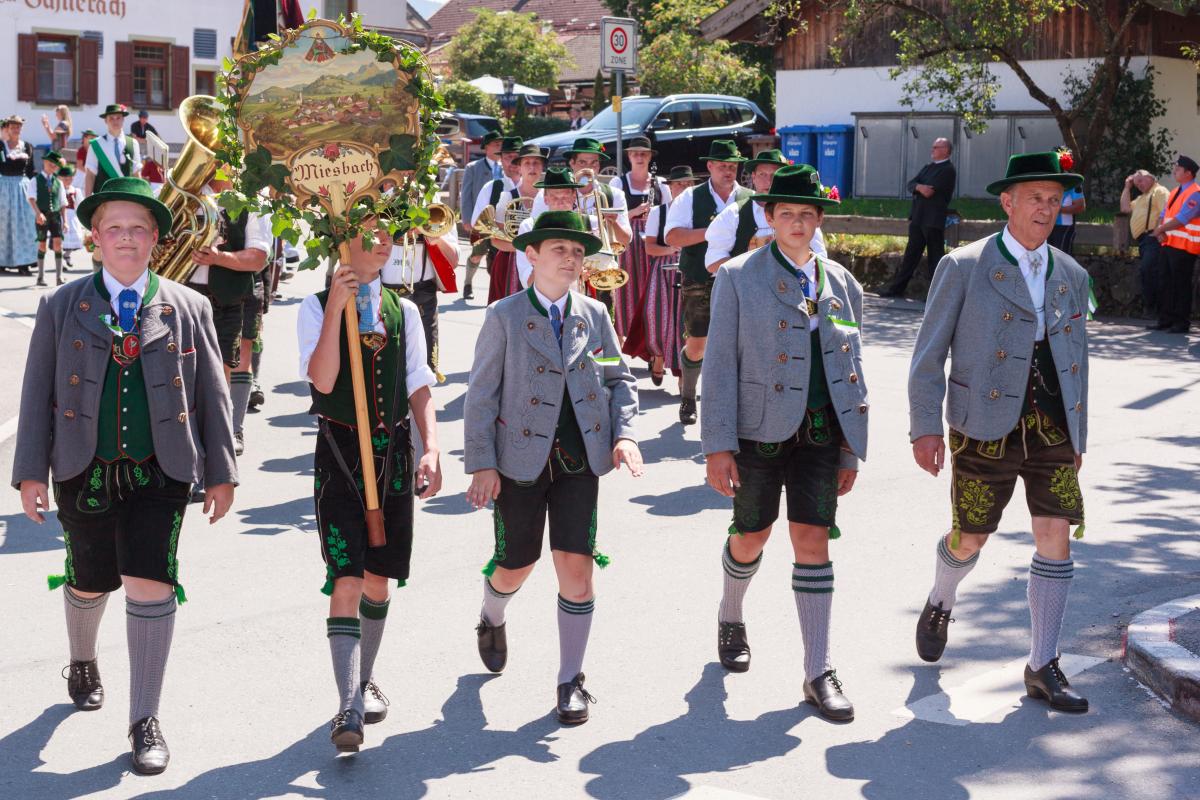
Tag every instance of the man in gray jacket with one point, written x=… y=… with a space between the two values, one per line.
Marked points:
x=550 y=408
x=125 y=402
x=1011 y=312
x=785 y=405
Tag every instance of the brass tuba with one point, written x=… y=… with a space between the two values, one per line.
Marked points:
x=195 y=216
x=604 y=270
x=515 y=213
x=486 y=225
x=441 y=221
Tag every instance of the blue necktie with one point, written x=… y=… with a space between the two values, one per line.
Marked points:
x=127 y=303
x=496 y=172
x=366 y=309
x=804 y=282
x=556 y=322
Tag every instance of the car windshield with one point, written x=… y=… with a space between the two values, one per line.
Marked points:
x=634 y=114
x=476 y=128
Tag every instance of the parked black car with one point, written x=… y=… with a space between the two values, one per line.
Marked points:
x=681 y=125
x=455 y=126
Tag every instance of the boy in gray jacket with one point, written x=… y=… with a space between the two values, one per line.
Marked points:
x=786 y=405
x=550 y=408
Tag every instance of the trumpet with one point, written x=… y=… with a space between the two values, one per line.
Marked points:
x=604 y=272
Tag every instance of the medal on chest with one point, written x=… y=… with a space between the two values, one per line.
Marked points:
x=126 y=348
x=373 y=340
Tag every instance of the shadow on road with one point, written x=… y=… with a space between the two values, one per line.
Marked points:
x=20 y=753
x=279 y=518
x=20 y=534
x=652 y=765
x=399 y=767
x=682 y=502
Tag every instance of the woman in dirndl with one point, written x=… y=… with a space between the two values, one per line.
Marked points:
x=18 y=228
x=655 y=334
x=642 y=191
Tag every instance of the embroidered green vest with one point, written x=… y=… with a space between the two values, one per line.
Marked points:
x=102 y=175
x=704 y=211
x=384 y=368
x=818 y=384
x=567 y=435
x=123 y=429
x=746 y=227
x=1043 y=392
x=47 y=193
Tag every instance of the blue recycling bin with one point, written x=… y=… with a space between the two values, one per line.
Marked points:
x=799 y=143
x=835 y=156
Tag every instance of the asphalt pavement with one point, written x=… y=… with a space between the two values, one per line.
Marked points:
x=249 y=688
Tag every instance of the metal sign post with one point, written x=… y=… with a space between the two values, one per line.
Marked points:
x=618 y=55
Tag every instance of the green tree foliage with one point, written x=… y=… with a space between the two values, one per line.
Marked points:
x=679 y=61
x=1131 y=141
x=508 y=44
x=462 y=96
x=661 y=16
x=599 y=93
x=946 y=51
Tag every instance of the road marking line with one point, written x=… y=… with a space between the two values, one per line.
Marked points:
x=8 y=429
x=983 y=695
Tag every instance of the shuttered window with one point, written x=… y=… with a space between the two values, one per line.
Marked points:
x=56 y=69
x=204 y=42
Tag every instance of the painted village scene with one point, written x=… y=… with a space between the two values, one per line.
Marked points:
x=304 y=97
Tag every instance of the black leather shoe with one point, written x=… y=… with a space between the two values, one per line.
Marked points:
x=1158 y=326
x=1050 y=684
x=150 y=754
x=890 y=292
x=257 y=398
x=932 y=631
x=239 y=443
x=468 y=293
x=493 y=645
x=83 y=684
x=346 y=731
x=825 y=692
x=573 y=702
x=687 y=410
x=732 y=646
x=375 y=703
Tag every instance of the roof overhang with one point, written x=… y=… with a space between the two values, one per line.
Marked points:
x=731 y=17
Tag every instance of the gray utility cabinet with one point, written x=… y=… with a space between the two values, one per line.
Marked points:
x=890 y=148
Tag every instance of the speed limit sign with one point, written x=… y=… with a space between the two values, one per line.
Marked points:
x=618 y=44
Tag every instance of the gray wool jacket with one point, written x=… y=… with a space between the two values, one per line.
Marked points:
x=980 y=312
x=757 y=360
x=69 y=355
x=516 y=388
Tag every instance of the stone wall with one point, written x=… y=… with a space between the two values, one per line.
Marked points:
x=1115 y=280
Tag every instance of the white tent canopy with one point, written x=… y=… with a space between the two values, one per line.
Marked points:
x=495 y=87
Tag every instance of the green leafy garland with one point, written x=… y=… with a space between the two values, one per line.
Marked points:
x=253 y=172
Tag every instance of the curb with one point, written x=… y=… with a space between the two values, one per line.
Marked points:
x=1172 y=671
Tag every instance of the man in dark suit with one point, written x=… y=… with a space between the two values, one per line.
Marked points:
x=931 y=191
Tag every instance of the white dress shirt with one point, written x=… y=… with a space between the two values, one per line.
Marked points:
x=115 y=287
x=680 y=214
x=1035 y=282
x=114 y=148
x=484 y=198
x=258 y=237
x=809 y=268
x=722 y=233
x=585 y=204
x=397 y=273
x=312 y=317
x=547 y=302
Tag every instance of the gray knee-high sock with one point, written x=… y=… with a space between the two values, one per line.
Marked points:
x=472 y=268
x=494 y=603
x=949 y=573
x=148 y=628
x=574 y=626
x=58 y=259
x=240 y=385
x=737 y=581
x=690 y=371
x=41 y=264
x=256 y=359
x=372 y=617
x=813 y=586
x=83 y=623
x=1049 y=583
x=344 y=645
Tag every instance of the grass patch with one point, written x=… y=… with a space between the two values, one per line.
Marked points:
x=869 y=245
x=968 y=207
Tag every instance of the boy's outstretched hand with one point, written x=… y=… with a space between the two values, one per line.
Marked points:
x=626 y=452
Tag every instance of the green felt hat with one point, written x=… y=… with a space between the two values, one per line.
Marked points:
x=131 y=190
x=115 y=108
x=558 y=179
x=66 y=171
x=1027 y=167
x=54 y=157
x=723 y=150
x=489 y=137
x=584 y=146
x=799 y=184
x=682 y=172
x=89 y=132
x=774 y=156
x=511 y=144
x=560 y=225
x=532 y=151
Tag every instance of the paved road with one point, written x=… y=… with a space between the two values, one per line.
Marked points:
x=249 y=689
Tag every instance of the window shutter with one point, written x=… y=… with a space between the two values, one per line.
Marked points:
x=89 y=72
x=181 y=75
x=27 y=67
x=124 y=74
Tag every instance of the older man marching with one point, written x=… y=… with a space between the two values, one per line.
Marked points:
x=1011 y=311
